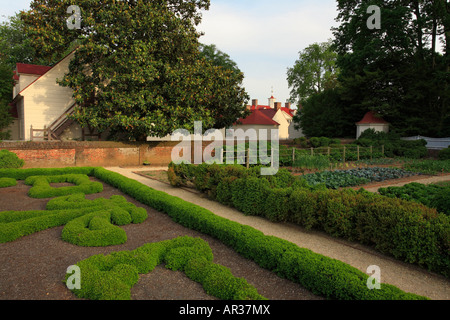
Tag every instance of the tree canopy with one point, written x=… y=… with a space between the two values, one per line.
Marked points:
x=313 y=72
x=138 y=69
x=400 y=70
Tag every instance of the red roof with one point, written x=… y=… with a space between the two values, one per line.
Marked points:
x=260 y=107
x=371 y=117
x=31 y=69
x=262 y=116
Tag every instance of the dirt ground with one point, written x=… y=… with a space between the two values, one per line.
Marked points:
x=33 y=267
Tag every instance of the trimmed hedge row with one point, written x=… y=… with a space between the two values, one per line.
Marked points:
x=22 y=174
x=321 y=275
x=111 y=277
x=42 y=189
x=87 y=223
x=409 y=231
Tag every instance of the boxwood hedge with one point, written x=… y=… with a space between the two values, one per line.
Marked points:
x=7 y=182
x=111 y=277
x=41 y=185
x=87 y=223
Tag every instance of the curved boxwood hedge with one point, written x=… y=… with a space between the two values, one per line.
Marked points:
x=87 y=223
x=111 y=277
x=41 y=185
x=7 y=182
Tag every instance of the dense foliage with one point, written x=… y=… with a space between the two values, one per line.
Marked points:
x=394 y=146
x=398 y=69
x=149 y=82
x=444 y=154
x=7 y=182
x=9 y=160
x=433 y=196
x=313 y=72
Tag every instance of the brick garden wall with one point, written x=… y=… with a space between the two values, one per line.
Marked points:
x=51 y=154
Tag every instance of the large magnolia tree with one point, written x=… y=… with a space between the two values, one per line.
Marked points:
x=137 y=68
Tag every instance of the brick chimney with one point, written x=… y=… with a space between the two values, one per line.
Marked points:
x=288 y=105
x=255 y=102
x=277 y=105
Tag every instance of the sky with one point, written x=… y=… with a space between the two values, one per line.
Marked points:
x=264 y=37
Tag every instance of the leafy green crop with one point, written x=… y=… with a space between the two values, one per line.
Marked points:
x=432 y=195
x=349 y=178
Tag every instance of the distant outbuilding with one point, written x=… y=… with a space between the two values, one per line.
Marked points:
x=371 y=121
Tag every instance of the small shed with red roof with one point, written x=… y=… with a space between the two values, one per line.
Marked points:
x=371 y=120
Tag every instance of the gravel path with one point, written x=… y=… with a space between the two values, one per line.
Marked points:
x=424 y=180
x=407 y=277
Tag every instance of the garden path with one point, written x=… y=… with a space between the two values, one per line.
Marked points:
x=407 y=277
x=423 y=180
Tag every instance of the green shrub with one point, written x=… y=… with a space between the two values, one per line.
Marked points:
x=444 y=154
x=112 y=277
x=315 y=142
x=9 y=160
x=249 y=195
x=441 y=201
x=7 y=182
x=41 y=185
x=321 y=275
x=87 y=222
x=393 y=145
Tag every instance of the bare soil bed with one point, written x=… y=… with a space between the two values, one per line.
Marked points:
x=33 y=267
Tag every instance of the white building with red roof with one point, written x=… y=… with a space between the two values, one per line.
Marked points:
x=371 y=121
x=271 y=116
x=40 y=102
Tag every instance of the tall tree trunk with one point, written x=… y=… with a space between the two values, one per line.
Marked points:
x=419 y=30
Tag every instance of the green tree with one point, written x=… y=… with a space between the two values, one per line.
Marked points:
x=137 y=69
x=14 y=45
x=324 y=115
x=218 y=58
x=314 y=71
x=6 y=87
x=396 y=70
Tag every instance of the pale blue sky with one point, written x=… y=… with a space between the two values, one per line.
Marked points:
x=262 y=36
